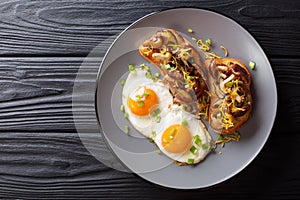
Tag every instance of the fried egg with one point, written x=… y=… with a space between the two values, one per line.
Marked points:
x=181 y=136
x=149 y=107
x=144 y=100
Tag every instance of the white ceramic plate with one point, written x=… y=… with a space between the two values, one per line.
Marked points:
x=136 y=152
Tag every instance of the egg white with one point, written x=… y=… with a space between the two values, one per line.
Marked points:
x=170 y=114
x=133 y=83
x=175 y=115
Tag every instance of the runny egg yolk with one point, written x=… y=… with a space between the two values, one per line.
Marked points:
x=177 y=139
x=144 y=103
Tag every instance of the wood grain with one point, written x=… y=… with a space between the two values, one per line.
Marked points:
x=75 y=27
x=37 y=92
x=72 y=173
x=43 y=156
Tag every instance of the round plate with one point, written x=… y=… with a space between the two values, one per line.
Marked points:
x=136 y=152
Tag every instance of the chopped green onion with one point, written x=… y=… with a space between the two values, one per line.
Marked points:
x=186 y=86
x=167 y=66
x=126 y=115
x=154 y=79
x=140 y=103
x=172 y=69
x=148 y=75
x=131 y=67
x=197 y=140
x=146 y=94
x=190 y=161
x=146 y=67
x=204 y=146
x=208 y=42
x=190 y=30
x=122 y=108
x=150 y=140
x=220 y=137
x=184 y=123
x=230 y=84
x=158 y=118
x=173 y=46
x=193 y=149
x=153 y=133
x=126 y=129
x=213 y=148
x=138 y=97
x=158 y=151
x=188 y=78
x=252 y=65
x=236 y=133
x=157 y=75
x=219 y=115
x=155 y=112
x=122 y=82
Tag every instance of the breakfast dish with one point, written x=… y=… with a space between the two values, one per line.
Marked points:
x=158 y=108
x=126 y=139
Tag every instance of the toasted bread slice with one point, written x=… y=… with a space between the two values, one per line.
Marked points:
x=231 y=100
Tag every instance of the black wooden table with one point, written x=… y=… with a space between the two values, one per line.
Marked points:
x=43 y=44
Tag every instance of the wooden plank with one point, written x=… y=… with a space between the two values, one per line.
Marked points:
x=287 y=73
x=38 y=96
x=37 y=93
x=56 y=166
x=56 y=28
